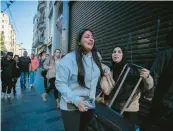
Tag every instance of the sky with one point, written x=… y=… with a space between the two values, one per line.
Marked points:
x=22 y=15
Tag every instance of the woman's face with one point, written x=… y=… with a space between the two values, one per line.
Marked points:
x=16 y=58
x=87 y=41
x=117 y=55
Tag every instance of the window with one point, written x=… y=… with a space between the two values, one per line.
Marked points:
x=2 y=26
x=2 y=21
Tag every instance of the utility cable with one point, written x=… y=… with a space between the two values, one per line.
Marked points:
x=13 y=20
x=8 y=5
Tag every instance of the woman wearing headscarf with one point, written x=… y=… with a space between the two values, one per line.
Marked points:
x=118 y=62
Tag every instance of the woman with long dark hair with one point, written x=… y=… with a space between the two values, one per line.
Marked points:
x=16 y=73
x=118 y=62
x=77 y=75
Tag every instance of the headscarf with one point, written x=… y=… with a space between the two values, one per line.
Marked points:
x=117 y=67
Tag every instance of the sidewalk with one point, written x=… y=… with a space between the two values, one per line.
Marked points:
x=27 y=112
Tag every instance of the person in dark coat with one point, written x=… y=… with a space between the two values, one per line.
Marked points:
x=16 y=73
x=161 y=116
x=24 y=63
x=118 y=62
x=44 y=71
x=7 y=67
x=3 y=56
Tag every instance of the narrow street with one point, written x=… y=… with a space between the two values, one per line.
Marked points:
x=27 y=112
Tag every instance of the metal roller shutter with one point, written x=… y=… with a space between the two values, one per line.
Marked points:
x=139 y=26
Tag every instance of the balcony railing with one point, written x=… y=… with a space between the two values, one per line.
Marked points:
x=41 y=6
x=41 y=24
x=41 y=40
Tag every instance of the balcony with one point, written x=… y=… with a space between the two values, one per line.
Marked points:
x=38 y=41
x=35 y=42
x=41 y=6
x=41 y=39
x=41 y=24
x=49 y=41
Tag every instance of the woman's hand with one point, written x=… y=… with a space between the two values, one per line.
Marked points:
x=144 y=73
x=148 y=99
x=106 y=72
x=82 y=105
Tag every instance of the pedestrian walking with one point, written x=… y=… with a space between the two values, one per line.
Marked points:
x=50 y=66
x=32 y=69
x=77 y=75
x=16 y=73
x=24 y=63
x=4 y=56
x=44 y=71
x=7 y=67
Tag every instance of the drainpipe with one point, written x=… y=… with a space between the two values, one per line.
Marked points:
x=65 y=26
x=55 y=30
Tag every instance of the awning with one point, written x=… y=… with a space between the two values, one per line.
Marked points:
x=41 y=49
x=49 y=42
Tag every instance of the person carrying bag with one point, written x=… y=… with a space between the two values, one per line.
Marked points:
x=106 y=117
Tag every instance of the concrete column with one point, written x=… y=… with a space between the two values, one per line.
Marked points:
x=65 y=26
x=54 y=28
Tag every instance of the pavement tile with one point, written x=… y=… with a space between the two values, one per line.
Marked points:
x=27 y=112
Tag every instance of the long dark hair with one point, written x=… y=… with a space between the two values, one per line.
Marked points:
x=14 y=58
x=117 y=67
x=79 y=51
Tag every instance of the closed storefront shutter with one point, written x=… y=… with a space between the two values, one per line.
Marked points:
x=141 y=27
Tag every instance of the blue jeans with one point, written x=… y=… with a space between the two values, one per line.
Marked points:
x=32 y=76
x=23 y=77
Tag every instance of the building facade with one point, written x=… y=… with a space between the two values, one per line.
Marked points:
x=50 y=27
x=18 y=50
x=40 y=30
x=35 y=39
x=139 y=26
x=8 y=33
x=55 y=31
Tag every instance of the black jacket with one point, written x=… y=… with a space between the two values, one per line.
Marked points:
x=127 y=87
x=162 y=71
x=24 y=64
x=7 y=67
x=16 y=71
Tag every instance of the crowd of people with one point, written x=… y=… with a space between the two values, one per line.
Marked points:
x=75 y=80
x=14 y=67
x=25 y=67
